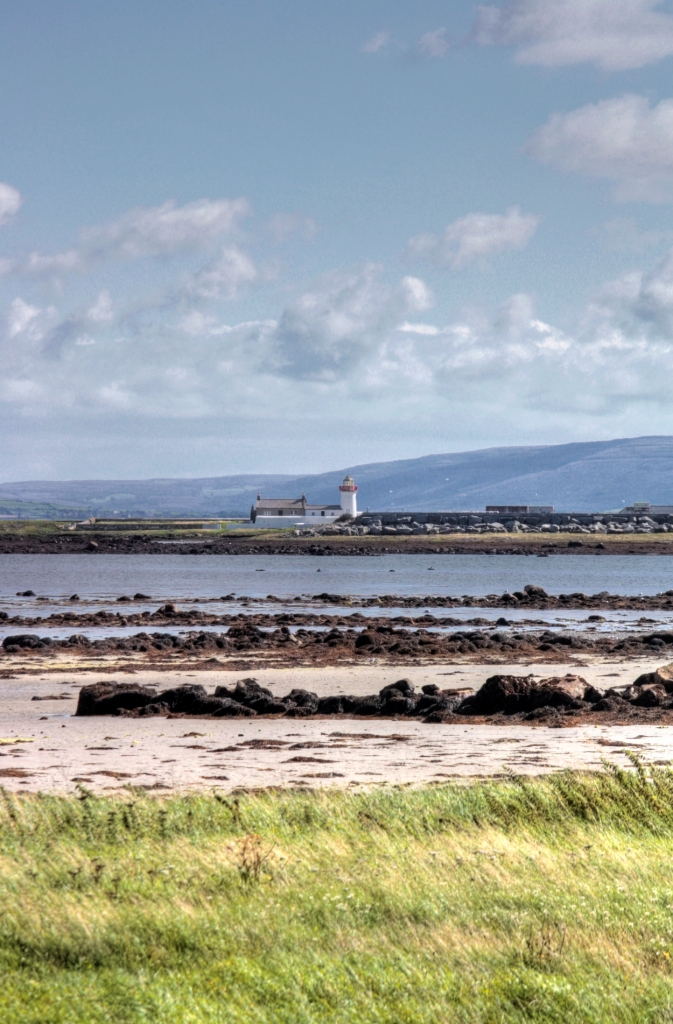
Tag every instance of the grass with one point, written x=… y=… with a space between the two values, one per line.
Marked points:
x=547 y=900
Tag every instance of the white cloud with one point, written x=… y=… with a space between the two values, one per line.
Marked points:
x=351 y=344
x=616 y=35
x=477 y=236
x=327 y=332
x=434 y=44
x=162 y=230
x=621 y=139
x=223 y=277
x=140 y=233
x=10 y=201
x=101 y=312
x=417 y=296
x=428 y=330
x=639 y=304
x=20 y=316
x=376 y=43
x=38 y=266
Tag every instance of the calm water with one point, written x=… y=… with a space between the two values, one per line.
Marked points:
x=174 y=577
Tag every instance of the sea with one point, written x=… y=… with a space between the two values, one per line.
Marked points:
x=222 y=583
x=183 y=577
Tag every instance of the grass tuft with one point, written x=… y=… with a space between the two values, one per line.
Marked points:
x=513 y=900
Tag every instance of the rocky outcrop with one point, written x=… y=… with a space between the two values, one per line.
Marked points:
x=522 y=697
x=109 y=698
x=662 y=676
x=533 y=699
x=248 y=698
x=513 y=694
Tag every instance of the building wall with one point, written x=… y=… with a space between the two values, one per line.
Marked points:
x=280 y=522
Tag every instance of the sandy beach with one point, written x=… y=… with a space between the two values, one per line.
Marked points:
x=44 y=747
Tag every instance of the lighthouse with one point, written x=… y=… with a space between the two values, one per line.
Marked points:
x=349 y=496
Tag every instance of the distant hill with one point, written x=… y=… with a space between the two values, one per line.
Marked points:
x=594 y=475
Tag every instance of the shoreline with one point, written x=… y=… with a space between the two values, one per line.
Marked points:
x=39 y=538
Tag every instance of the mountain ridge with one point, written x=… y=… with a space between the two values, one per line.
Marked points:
x=578 y=476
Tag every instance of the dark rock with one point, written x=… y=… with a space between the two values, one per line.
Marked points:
x=534 y=591
x=302 y=699
x=29 y=640
x=430 y=689
x=365 y=640
x=25 y=593
x=438 y=715
x=428 y=702
x=331 y=706
x=401 y=686
x=208 y=705
x=158 y=708
x=362 y=705
x=181 y=699
x=396 y=703
x=625 y=692
x=108 y=697
x=249 y=690
x=74 y=597
x=224 y=691
x=612 y=703
x=510 y=694
x=231 y=709
x=652 y=695
x=141 y=597
x=662 y=675
x=266 y=706
x=540 y=714
x=435 y=704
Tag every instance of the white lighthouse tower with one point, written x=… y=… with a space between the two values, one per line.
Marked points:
x=349 y=502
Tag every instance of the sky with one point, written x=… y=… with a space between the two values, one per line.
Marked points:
x=289 y=236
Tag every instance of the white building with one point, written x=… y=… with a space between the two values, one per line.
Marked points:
x=284 y=512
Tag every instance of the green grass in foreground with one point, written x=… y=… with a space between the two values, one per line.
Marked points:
x=548 y=900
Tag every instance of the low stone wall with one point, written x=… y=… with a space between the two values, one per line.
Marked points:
x=424 y=523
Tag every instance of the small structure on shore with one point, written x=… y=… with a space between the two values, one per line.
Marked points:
x=520 y=509
x=284 y=512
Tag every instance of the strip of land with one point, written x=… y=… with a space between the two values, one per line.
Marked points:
x=48 y=537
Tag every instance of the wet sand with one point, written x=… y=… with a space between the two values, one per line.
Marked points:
x=58 y=751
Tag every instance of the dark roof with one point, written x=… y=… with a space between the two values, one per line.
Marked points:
x=280 y=503
x=290 y=504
